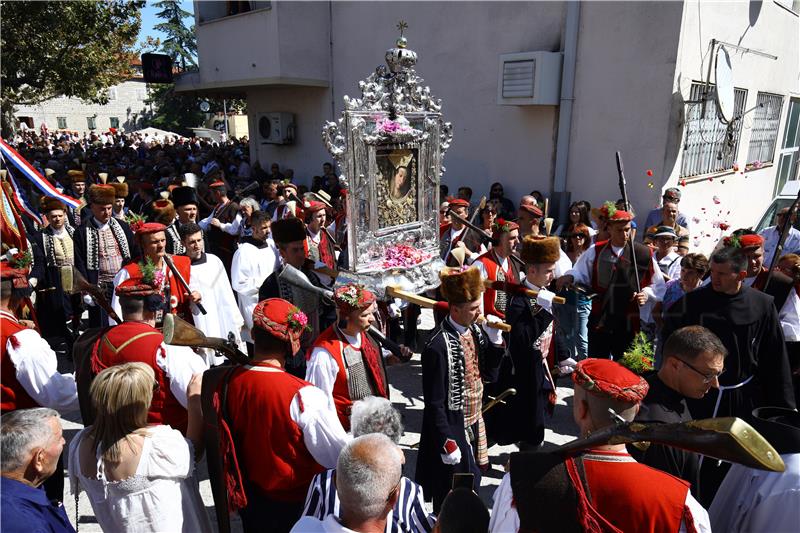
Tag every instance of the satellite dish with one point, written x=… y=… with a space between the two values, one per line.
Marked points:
x=204 y=107
x=723 y=74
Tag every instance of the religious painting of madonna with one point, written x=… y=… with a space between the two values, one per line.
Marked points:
x=396 y=186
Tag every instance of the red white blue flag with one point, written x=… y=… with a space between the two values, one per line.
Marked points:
x=10 y=156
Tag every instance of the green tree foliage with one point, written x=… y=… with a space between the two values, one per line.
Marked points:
x=180 y=43
x=74 y=49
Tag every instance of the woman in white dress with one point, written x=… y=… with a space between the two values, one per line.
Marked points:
x=139 y=478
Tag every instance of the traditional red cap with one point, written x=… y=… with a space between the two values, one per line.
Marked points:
x=18 y=276
x=150 y=227
x=352 y=297
x=532 y=209
x=501 y=226
x=604 y=377
x=135 y=288
x=282 y=320
x=458 y=202
x=217 y=183
x=748 y=240
x=612 y=214
x=312 y=206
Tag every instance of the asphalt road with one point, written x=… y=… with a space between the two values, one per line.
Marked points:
x=406 y=394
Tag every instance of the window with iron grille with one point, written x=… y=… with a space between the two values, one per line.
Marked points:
x=91 y=123
x=114 y=122
x=62 y=122
x=766 y=121
x=709 y=144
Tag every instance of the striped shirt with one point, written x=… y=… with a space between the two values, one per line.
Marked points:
x=407 y=516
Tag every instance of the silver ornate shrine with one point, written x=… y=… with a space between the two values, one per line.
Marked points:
x=389 y=145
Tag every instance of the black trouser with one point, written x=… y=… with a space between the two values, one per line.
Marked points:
x=604 y=343
x=98 y=318
x=263 y=514
x=793 y=349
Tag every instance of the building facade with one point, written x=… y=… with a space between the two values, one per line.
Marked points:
x=629 y=76
x=125 y=110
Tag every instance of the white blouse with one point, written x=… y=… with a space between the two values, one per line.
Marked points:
x=162 y=496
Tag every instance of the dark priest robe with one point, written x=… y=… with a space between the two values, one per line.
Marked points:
x=666 y=406
x=535 y=344
x=444 y=392
x=757 y=372
x=748 y=326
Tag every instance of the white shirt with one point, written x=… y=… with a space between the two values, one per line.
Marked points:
x=36 y=370
x=757 y=500
x=322 y=368
x=505 y=519
x=582 y=273
x=788 y=314
x=180 y=363
x=224 y=316
x=162 y=495
x=250 y=267
x=672 y=264
x=311 y=524
x=771 y=236
x=316 y=417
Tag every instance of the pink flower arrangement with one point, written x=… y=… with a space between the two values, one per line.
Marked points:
x=298 y=321
x=158 y=278
x=403 y=256
x=385 y=125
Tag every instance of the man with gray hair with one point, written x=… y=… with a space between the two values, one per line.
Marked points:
x=31 y=441
x=369 y=473
x=370 y=416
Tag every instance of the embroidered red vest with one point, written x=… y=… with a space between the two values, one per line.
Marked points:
x=329 y=340
x=179 y=302
x=489 y=260
x=132 y=342
x=600 y=280
x=633 y=496
x=269 y=445
x=12 y=395
x=327 y=254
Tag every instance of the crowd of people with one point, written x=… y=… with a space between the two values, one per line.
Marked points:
x=291 y=407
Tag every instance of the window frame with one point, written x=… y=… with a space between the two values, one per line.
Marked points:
x=706 y=135
x=764 y=142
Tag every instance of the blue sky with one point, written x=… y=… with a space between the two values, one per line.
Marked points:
x=149 y=19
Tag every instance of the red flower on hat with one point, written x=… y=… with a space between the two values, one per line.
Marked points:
x=724 y=226
x=683 y=183
x=649 y=172
x=297 y=320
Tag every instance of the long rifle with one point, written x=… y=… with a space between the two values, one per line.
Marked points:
x=623 y=189
x=785 y=228
x=182 y=282
x=296 y=277
x=728 y=439
x=72 y=281
x=396 y=292
x=178 y=332
x=482 y=235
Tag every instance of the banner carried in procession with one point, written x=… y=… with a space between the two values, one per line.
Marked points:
x=10 y=156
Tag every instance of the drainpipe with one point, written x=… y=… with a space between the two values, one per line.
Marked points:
x=561 y=197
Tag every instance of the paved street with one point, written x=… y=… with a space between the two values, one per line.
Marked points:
x=406 y=394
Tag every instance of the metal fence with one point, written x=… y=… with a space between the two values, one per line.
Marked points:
x=710 y=145
x=766 y=122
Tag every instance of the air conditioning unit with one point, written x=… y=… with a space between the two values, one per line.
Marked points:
x=529 y=78
x=275 y=128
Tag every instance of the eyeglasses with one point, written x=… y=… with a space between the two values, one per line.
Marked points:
x=707 y=378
